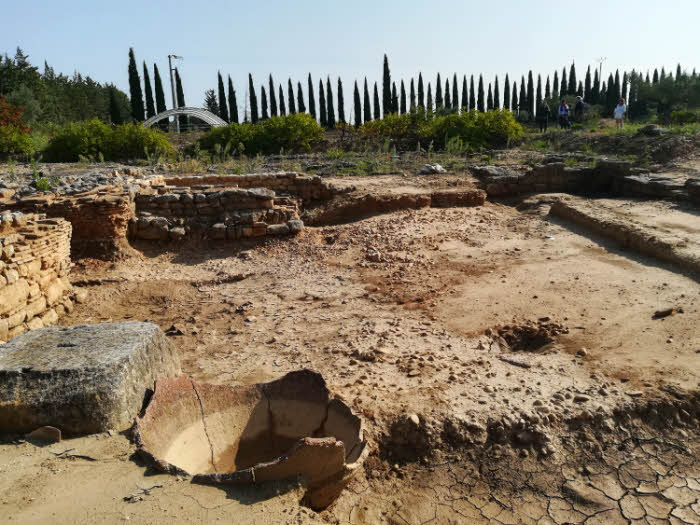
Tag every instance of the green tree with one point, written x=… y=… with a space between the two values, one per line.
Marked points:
x=429 y=103
x=377 y=112
x=421 y=91
x=572 y=79
x=530 y=95
x=455 y=94
x=330 y=108
x=253 y=100
x=115 y=115
x=662 y=76
x=412 y=98
x=263 y=103
x=341 y=102
x=223 y=106
x=465 y=95
x=679 y=73
x=595 y=90
x=472 y=94
x=386 y=88
x=438 y=94
x=290 y=98
x=403 y=98
x=555 y=87
x=273 y=98
x=480 y=102
x=357 y=109
x=300 y=99
x=210 y=102
x=394 y=99
x=587 y=86
x=160 y=94
x=506 y=93
x=180 y=94
x=448 y=99
x=522 y=98
x=323 y=109
x=496 y=95
x=137 y=111
x=611 y=95
x=625 y=82
x=312 y=98
x=282 y=104
x=538 y=93
x=564 y=83
x=232 y=103
x=489 y=99
x=150 y=105
x=655 y=78
x=618 y=85
x=514 y=101
x=547 y=90
x=367 y=106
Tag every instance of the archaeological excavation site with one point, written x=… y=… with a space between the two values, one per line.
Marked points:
x=510 y=339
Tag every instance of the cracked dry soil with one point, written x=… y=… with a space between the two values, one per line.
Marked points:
x=401 y=314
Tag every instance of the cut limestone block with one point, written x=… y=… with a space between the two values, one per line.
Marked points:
x=81 y=379
x=237 y=435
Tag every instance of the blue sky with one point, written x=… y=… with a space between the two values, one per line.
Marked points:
x=348 y=39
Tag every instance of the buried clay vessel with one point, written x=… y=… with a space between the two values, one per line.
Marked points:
x=239 y=435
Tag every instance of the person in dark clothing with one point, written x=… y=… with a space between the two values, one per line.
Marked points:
x=563 y=115
x=543 y=114
x=578 y=109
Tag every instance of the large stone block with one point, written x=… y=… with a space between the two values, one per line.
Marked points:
x=81 y=379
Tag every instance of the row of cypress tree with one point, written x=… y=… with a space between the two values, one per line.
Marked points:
x=152 y=106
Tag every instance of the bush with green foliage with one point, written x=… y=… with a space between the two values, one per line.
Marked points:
x=684 y=116
x=293 y=133
x=15 y=137
x=93 y=139
x=474 y=129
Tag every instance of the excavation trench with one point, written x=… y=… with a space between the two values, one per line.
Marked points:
x=242 y=435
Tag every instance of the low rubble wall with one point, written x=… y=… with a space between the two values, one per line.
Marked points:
x=34 y=267
x=215 y=213
x=308 y=188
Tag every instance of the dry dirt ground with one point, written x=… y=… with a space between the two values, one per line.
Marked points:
x=545 y=389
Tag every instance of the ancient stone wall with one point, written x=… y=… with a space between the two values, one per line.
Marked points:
x=214 y=213
x=34 y=267
x=306 y=187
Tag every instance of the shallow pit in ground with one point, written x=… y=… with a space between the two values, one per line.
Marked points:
x=239 y=435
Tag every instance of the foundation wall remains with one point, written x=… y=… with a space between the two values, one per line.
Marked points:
x=34 y=267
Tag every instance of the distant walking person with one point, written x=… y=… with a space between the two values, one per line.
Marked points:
x=543 y=114
x=578 y=109
x=563 y=114
x=620 y=111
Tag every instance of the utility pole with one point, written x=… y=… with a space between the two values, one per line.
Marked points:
x=600 y=69
x=172 y=88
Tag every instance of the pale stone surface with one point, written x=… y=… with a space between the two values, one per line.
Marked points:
x=81 y=379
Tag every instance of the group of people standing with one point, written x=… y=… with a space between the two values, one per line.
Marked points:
x=563 y=112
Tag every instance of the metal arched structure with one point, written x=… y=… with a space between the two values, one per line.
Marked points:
x=200 y=113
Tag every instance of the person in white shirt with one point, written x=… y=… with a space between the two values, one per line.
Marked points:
x=619 y=113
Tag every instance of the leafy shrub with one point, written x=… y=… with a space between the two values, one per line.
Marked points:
x=15 y=138
x=686 y=116
x=93 y=139
x=292 y=133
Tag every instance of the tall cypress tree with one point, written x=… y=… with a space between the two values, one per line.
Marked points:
x=547 y=90
x=595 y=91
x=564 y=86
x=429 y=102
x=579 y=89
x=465 y=95
x=367 y=106
x=115 y=113
x=538 y=94
x=403 y=99
x=232 y=103
x=646 y=79
x=472 y=94
x=160 y=94
x=357 y=109
x=223 y=106
x=412 y=97
x=394 y=99
x=480 y=96
x=377 y=112
x=624 y=85
x=514 y=101
x=421 y=91
x=522 y=98
x=150 y=106
x=587 y=85
x=572 y=80
x=496 y=95
x=603 y=93
x=312 y=99
x=661 y=77
x=618 y=86
x=291 y=105
x=506 y=93
x=555 y=88
x=438 y=93
x=341 y=102
x=455 y=94
x=137 y=110
x=655 y=78
x=263 y=103
x=282 y=104
x=448 y=98
x=253 y=100
x=530 y=95
x=330 y=108
x=323 y=109
x=180 y=95
x=273 y=98
x=300 y=99
x=386 y=88
x=611 y=94
x=489 y=99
